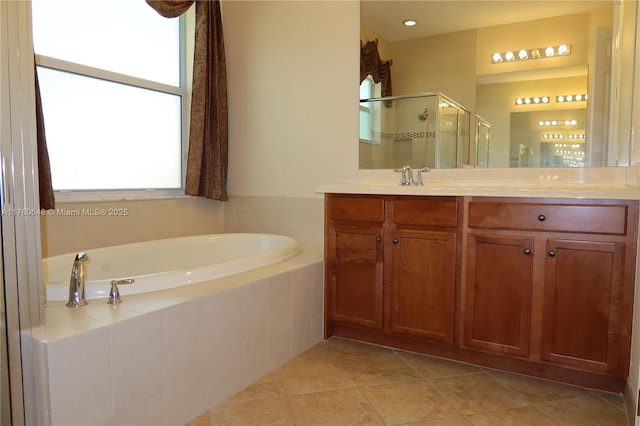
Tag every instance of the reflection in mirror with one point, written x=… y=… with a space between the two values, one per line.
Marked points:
x=450 y=52
x=428 y=129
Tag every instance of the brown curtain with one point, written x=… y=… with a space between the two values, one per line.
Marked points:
x=370 y=64
x=207 y=160
x=47 y=199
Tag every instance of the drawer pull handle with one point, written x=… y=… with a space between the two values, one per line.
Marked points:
x=541 y=218
x=527 y=251
x=395 y=241
x=552 y=253
x=378 y=239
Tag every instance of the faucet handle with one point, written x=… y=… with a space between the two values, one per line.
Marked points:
x=418 y=179
x=406 y=175
x=114 y=293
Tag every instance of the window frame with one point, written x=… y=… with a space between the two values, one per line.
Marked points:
x=186 y=40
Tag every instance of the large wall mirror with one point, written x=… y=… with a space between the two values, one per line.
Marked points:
x=499 y=84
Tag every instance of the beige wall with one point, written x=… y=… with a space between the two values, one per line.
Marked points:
x=293 y=100
x=70 y=228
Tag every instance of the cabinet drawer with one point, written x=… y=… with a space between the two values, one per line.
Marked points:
x=425 y=212
x=355 y=209
x=589 y=218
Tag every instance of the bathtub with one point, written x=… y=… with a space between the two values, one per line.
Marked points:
x=169 y=263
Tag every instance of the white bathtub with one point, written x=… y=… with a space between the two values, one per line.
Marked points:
x=162 y=264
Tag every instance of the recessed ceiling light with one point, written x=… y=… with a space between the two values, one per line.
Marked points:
x=409 y=23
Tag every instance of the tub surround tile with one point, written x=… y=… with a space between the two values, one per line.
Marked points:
x=80 y=382
x=182 y=348
x=253 y=315
x=150 y=412
x=184 y=401
x=204 y=343
x=221 y=340
x=279 y=302
x=136 y=351
x=279 y=349
x=221 y=382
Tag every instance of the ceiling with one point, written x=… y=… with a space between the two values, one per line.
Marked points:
x=385 y=17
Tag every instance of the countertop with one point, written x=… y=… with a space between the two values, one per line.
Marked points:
x=576 y=191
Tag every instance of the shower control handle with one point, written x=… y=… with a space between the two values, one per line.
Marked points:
x=114 y=293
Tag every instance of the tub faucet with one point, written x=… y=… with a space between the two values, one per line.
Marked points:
x=76 y=284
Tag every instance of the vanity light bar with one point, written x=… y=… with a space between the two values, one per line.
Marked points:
x=533 y=100
x=576 y=136
x=568 y=145
x=558 y=123
x=525 y=54
x=572 y=98
x=552 y=136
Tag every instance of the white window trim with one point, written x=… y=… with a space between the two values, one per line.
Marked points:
x=187 y=27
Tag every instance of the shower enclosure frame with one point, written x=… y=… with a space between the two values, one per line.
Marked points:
x=462 y=157
x=21 y=251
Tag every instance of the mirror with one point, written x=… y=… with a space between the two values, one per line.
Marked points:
x=449 y=53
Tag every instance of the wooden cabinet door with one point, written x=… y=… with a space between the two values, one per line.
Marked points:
x=423 y=284
x=354 y=275
x=497 y=294
x=583 y=305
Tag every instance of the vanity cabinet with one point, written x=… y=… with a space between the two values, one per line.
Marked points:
x=537 y=286
x=422 y=271
x=551 y=280
x=497 y=303
x=391 y=264
x=354 y=255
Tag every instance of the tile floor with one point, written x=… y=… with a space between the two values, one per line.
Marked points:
x=342 y=382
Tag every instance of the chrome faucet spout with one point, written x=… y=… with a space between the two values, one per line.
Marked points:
x=76 y=283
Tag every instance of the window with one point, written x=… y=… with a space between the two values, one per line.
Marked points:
x=112 y=81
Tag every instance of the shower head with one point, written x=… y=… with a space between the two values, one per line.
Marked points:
x=423 y=116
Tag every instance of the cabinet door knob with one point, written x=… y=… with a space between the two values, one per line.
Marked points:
x=378 y=239
x=395 y=241
x=541 y=218
x=552 y=253
x=527 y=251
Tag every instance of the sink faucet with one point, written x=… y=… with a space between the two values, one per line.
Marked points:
x=76 y=284
x=406 y=175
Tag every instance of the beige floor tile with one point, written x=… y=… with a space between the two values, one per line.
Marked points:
x=534 y=390
x=306 y=376
x=377 y=368
x=616 y=399
x=269 y=386
x=336 y=408
x=267 y=411
x=320 y=352
x=408 y=402
x=449 y=421
x=431 y=367
x=202 y=420
x=521 y=416
x=342 y=347
x=584 y=411
x=475 y=393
